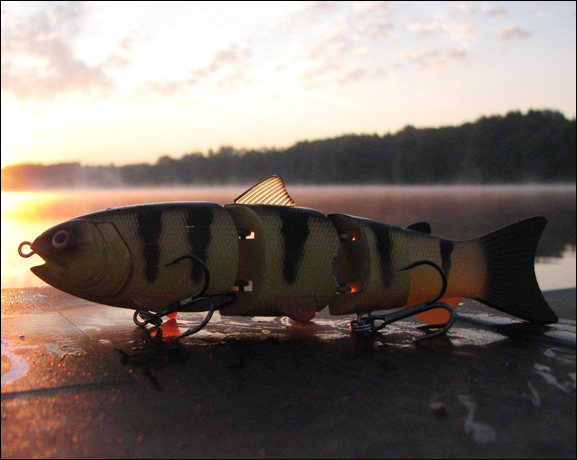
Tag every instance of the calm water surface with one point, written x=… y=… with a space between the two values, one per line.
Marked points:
x=454 y=212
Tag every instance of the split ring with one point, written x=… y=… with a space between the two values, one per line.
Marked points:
x=30 y=254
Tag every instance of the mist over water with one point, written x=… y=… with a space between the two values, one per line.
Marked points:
x=456 y=212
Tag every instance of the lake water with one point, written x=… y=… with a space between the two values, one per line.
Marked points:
x=456 y=212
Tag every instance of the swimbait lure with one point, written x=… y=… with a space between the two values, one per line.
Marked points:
x=263 y=256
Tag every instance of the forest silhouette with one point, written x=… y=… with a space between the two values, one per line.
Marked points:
x=538 y=146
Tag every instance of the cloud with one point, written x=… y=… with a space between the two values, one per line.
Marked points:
x=227 y=69
x=425 y=59
x=232 y=56
x=459 y=31
x=312 y=44
x=490 y=10
x=372 y=8
x=320 y=5
x=327 y=40
x=324 y=71
x=377 y=30
x=423 y=29
x=120 y=56
x=287 y=23
x=467 y=8
x=330 y=38
x=350 y=75
x=512 y=31
x=331 y=42
x=38 y=61
x=462 y=34
x=458 y=53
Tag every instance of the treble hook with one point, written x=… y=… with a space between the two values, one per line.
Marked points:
x=200 y=296
x=367 y=323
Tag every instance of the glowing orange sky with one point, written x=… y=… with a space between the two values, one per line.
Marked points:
x=125 y=82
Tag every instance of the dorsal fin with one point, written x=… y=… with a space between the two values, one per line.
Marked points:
x=423 y=227
x=269 y=191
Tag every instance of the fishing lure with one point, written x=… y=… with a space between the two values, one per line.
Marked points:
x=264 y=256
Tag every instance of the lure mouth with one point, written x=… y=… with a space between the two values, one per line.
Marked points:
x=50 y=268
x=53 y=266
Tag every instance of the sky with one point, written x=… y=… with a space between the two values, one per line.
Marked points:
x=127 y=82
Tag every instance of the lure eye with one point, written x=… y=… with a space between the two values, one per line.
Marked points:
x=60 y=239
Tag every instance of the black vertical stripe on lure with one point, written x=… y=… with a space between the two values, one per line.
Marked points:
x=198 y=222
x=384 y=250
x=446 y=251
x=149 y=230
x=295 y=232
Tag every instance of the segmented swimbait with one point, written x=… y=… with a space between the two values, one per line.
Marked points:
x=263 y=256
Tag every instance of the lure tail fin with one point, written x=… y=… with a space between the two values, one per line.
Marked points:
x=511 y=283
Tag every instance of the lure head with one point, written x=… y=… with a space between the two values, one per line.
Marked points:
x=85 y=258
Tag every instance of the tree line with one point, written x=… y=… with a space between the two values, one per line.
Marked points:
x=538 y=146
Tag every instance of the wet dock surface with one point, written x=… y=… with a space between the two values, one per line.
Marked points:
x=81 y=380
